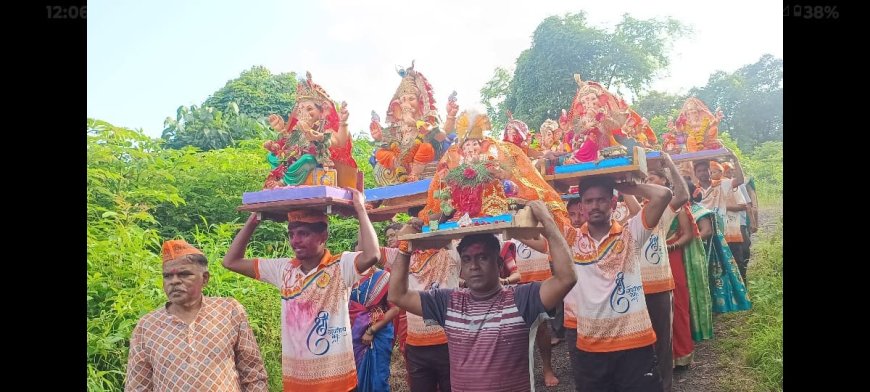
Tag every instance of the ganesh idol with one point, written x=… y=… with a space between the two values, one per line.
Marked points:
x=413 y=140
x=480 y=176
x=314 y=137
x=696 y=128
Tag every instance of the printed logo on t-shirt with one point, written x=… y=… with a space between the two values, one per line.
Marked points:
x=651 y=253
x=523 y=251
x=621 y=297
x=323 y=280
x=321 y=336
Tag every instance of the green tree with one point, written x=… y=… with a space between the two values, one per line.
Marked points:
x=237 y=111
x=659 y=125
x=258 y=93
x=362 y=153
x=492 y=96
x=657 y=103
x=208 y=128
x=766 y=166
x=750 y=99
x=629 y=57
x=658 y=107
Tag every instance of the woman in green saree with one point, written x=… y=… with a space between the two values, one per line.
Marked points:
x=726 y=286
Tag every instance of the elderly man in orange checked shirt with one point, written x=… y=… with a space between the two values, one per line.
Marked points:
x=193 y=343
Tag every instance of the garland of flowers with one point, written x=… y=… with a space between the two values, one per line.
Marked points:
x=468 y=175
x=702 y=130
x=464 y=185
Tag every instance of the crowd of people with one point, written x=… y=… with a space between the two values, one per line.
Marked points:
x=639 y=287
x=629 y=273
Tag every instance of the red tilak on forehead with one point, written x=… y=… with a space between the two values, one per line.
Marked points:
x=174 y=271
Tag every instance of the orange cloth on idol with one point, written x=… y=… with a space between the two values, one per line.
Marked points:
x=425 y=153
x=386 y=157
x=717 y=166
x=174 y=249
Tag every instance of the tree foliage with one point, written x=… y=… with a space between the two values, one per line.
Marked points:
x=258 y=93
x=211 y=183
x=237 y=111
x=765 y=165
x=658 y=107
x=750 y=99
x=492 y=95
x=625 y=60
x=208 y=128
x=657 y=103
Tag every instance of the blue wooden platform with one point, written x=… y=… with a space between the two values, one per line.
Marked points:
x=605 y=163
x=296 y=193
x=690 y=156
x=482 y=220
x=398 y=190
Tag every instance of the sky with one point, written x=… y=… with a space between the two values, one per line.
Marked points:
x=147 y=58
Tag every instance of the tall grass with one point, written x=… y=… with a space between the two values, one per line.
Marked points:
x=753 y=341
x=764 y=349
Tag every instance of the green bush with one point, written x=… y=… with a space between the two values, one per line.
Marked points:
x=140 y=194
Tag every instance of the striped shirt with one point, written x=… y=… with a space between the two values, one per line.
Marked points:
x=488 y=339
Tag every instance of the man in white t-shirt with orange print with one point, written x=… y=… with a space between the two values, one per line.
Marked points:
x=315 y=286
x=615 y=339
